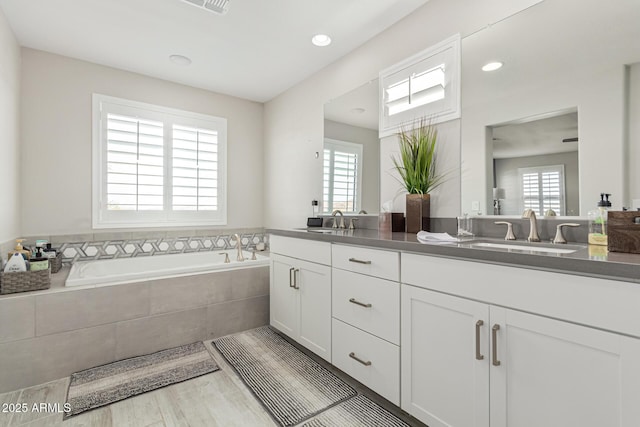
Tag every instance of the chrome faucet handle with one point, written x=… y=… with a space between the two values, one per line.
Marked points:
x=352 y=224
x=509 y=235
x=226 y=257
x=559 y=236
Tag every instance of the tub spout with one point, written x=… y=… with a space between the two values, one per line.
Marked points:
x=239 y=246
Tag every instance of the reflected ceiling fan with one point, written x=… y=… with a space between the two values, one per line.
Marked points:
x=216 y=6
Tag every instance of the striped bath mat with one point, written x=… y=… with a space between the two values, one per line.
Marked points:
x=356 y=412
x=291 y=386
x=116 y=381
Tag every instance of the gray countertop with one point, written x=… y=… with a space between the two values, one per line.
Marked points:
x=591 y=261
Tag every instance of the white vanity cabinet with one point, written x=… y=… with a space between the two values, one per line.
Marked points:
x=366 y=317
x=300 y=292
x=475 y=358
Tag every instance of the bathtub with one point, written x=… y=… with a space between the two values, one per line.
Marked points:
x=137 y=269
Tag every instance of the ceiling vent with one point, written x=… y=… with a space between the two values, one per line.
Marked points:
x=216 y=6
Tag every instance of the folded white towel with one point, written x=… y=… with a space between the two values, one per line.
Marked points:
x=427 y=237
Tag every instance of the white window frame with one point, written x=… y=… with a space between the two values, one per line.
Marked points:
x=349 y=147
x=104 y=218
x=540 y=170
x=445 y=54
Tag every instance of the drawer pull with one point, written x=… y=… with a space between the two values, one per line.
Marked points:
x=479 y=324
x=359 y=261
x=356 y=358
x=361 y=304
x=494 y=349
x=290 y=278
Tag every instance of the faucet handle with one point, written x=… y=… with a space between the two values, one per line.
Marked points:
x=352 y=224
x=559 y=236
x=253 y=255
x=226 y=257
x=510 y=235
x=335 y=222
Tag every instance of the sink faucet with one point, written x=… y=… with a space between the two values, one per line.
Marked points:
x=335 y=220
x=237 y=238
x=533 y=225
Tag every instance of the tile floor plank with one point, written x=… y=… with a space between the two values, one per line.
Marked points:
x=54 y=393
x=9 y=398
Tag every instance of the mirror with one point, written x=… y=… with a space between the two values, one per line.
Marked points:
x=535 y=166
x=567 y=56
x=351 y=158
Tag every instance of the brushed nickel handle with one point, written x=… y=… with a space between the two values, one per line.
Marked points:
x=479 y=324
x=354 y=301
x=291 y=270
x=354 y=357
x=295 y=278
x=494 y=348
x=359 y=261
x=509 y=235
x=559 y=238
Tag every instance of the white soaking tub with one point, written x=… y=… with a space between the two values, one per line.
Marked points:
x=138 y=269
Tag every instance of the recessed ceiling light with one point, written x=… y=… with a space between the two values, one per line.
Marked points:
x=180 y=60
x=321 y=40
x=357 y=110
x=492 y=66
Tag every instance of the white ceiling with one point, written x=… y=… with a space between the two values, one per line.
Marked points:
x=356 y=108
x=257 y=50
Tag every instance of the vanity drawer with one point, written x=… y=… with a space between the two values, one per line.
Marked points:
x=379 y=365
x=373 y=262
x=309 y=250
x=367 y=303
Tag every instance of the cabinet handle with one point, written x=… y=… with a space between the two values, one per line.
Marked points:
x=494 y=348
x=353 y=356
x=295 y=278
x=290 y=279
x=361 y=304
x=359 y=261
x=479 y=324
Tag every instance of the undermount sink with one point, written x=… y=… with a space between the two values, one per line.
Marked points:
x=317 y=230
x=526 y=248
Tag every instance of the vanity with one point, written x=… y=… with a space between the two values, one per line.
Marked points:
x=463 y=334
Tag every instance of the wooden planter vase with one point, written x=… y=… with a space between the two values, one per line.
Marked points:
x=418 y=212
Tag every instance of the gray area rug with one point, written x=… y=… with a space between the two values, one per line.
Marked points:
x=356 y=412
x=116 y=381
x=290 y=385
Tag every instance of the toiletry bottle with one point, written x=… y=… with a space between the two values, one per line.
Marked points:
x=16 y=263
x=598 y=221
x=19 y=249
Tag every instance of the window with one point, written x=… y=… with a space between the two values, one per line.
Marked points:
x=155 y=166
x=424 y=85
x=543 y=189
x=342 y=181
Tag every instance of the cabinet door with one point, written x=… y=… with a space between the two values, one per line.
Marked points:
x=445 y=377
x=554 y=373
x=283 y=297
x=313 y=283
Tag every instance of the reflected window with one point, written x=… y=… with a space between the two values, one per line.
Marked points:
x=342 y=180
x=543 y=189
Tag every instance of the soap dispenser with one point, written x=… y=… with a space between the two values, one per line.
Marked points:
x=19 y=249
x=598 y=221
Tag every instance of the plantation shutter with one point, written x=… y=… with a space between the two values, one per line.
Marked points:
x=195 y=169
x=341 y=176
x=543 y=189
x=135 y=162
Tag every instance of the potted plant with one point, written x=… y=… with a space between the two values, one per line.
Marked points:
x=418 y=174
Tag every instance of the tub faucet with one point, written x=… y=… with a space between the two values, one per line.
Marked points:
x=533 y=225
x=239 y=246
x=335 y=220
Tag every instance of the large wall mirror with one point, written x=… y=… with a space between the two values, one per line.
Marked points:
x=351 y=157
x=550 y=128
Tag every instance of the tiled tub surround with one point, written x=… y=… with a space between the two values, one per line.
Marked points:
x=50 y=334
x=109 y=245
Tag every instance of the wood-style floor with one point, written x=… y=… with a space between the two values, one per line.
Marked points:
x=216 y=399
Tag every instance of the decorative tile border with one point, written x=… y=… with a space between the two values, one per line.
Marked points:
x=96 y=248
